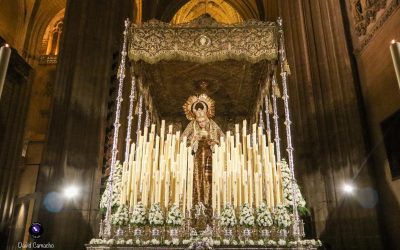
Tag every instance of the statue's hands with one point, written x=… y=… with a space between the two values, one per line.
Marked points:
x=212 y=144
x=195 y=145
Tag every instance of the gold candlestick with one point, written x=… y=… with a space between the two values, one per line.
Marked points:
x=5 y=52
x=395 y=51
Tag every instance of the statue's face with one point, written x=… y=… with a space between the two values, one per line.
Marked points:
x=202 y=122
x=200 y=110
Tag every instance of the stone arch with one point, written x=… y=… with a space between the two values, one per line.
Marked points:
x=247 y=9
x=52 y=35
x=220 y=10
x=42 y=17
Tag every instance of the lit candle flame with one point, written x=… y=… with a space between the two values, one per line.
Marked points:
x=393 y=41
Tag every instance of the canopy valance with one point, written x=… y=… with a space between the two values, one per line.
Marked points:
x=203 y=40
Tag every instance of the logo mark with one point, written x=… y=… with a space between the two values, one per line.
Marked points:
x=36 y=230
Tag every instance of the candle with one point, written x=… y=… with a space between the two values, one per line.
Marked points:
x=167 y=185
x=224 y=193
x=395 y=51
x=246 y=187
x=5 y=52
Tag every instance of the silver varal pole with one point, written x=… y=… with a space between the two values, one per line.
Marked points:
x=147 y=119
x=130 y=118
x=140 y=112
x=261 y=120
x=267 y=120
x=121 y=77
x=284 y=72
x=276 y=119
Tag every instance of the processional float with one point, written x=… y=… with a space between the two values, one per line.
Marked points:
x=255 y=199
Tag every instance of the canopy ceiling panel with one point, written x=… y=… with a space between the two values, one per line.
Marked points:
x=234 y=85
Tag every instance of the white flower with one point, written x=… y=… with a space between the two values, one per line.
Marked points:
x=138 y=215
x=228 y=218
x=271 y=243
x=217 y=242
x=175 y=242
x=155 y=242
x=174 y=217
x=225 y=241
x=97 y=241
x=281 y=217
x=260 y=242
x=246 y=217
x=120 y=242
x=282 y=242
x=129 y=242
x=287 y=190
x=264 y=217
x=121 y=216
x=155 y=215
x=117 y=188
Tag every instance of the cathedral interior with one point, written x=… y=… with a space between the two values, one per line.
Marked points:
x=57 y=107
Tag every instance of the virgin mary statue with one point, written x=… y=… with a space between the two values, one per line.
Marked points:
x=202 y=134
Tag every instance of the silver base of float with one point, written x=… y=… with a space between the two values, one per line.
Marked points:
x=123 y=247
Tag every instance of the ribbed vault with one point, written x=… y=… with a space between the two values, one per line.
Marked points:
x=220 y=10
x=165 y=10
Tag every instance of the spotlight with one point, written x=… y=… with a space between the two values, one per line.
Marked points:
x=348 y=188
x=71 y=192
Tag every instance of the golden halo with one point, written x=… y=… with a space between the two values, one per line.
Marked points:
x=193 y=100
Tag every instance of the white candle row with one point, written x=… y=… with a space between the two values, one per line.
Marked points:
x=160 y=170
x=245 y=170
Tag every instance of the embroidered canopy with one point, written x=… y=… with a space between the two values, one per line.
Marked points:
x=203 y=40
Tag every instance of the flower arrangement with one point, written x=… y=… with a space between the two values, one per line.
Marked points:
x=228 y=218
x=110 y=242
x=121 y=216
x=282 y=242
x=287 y=188
x=271 y=243
x=155 y=242
x=281 y=217
x=138 y=217
x=305 y=243
x=156 y=217
x=174 y=216
x=174 y=242
x=117 y=188
x=97 y=241
x=120 y=242
x=246 y=217
x=201 y=243
x=264 y=217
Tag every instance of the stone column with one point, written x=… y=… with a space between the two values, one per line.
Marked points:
x=73 y=154
x=13 y=110
x=330 y=146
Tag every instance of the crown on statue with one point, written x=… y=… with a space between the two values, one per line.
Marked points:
x=203 y=102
